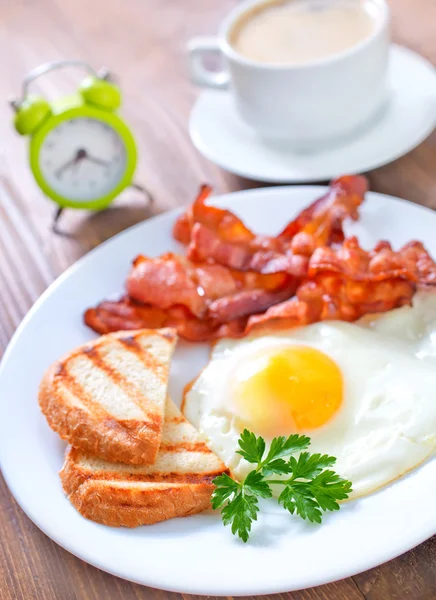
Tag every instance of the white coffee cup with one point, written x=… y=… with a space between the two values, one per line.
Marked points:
x=308 y=104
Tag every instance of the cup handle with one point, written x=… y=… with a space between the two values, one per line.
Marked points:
x=200 y=75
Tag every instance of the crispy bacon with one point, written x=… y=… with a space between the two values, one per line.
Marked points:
x=206 y=290
x=412 y=262
x=225 y=223
x=128 y=314
x=317 y=225
x=323 y=218
x=124 y=314
x=425 y=266
x=246 y=303
x=170 y=279
x=200 y=301
x=233 y=282
x=263 y=255
x=347 y=282
x=331 y=298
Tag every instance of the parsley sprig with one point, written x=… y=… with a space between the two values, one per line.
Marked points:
x=310 y=488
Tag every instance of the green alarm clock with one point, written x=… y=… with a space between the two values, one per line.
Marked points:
x=82 y=154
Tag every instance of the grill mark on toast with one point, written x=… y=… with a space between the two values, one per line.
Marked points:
x=131 y=343
x=78 y=392
x=98 y=411
x=184 y=447
x=154 y=422
x=186 y=478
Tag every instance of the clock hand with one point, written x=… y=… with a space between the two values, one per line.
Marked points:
x=98 y=161
x=65 y=166
x=80 y=155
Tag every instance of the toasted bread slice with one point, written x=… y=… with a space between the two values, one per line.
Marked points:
x=177 y=485
x=108 y=397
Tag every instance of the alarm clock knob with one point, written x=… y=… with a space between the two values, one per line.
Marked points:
x=30 y=114
x=100 y=93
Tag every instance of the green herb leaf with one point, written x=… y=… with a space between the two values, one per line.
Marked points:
x=328 y=487
x=310 y=488
x=225 y=487
x=277 y=466
x=257 y=485
x=282 y=446
x=298 y=498
x=251 y=447
x=240 y=513
x=308 y=465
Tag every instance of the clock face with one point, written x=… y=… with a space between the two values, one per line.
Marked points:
x=82 y=159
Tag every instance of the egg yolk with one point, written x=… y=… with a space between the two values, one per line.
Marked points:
x=291 y=390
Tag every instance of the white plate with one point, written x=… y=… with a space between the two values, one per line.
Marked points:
x=219 y=134
x=197 y=554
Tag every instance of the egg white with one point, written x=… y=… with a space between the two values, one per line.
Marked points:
x=414 y=326
x=387 y=422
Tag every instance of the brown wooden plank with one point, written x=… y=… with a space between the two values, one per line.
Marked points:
x=412 y=576
x=143 y=40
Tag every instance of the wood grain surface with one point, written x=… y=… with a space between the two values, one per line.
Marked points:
x=143 y=41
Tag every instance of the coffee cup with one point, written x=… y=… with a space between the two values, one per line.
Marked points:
x=305 y=103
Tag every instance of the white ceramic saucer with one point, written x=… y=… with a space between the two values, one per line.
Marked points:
x=218 y=132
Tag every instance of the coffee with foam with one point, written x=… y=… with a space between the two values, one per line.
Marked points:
x=297 y=32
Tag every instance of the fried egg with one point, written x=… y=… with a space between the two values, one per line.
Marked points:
x=358 y=393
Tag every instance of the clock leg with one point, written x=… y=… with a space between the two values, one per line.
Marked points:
x=144 y=190
x=54 y=226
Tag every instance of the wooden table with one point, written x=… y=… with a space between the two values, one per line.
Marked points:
x=143 y=41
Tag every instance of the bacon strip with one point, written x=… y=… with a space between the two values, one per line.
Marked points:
x=225 y=223
x=127 y=314
x=332 y=299
x=124 y=314
x=206 y=244
x=347 y=282
x=412 y=262
x=323 y=218
x=247 y=303
x=319 y=224
x=170 y=280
